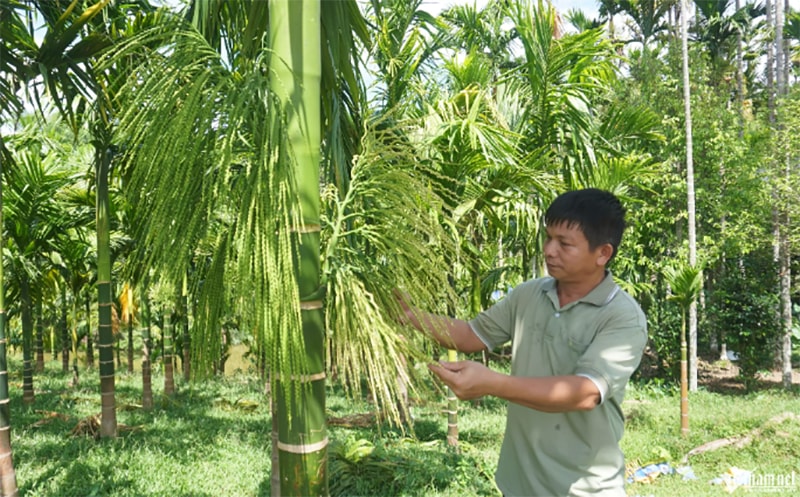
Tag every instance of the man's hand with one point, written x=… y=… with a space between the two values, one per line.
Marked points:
x=467 y=379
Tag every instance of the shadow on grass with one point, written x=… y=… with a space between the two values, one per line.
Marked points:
x=180 y=437
x=405 y=468
x=215 y=429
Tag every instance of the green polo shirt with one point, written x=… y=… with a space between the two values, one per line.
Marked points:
x=601 y=336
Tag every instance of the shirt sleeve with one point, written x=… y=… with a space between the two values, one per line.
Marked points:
x=495 y=326
x=612 y=358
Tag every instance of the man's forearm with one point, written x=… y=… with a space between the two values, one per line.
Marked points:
x=547 y=394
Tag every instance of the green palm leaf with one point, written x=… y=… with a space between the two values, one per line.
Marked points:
x=685 y=283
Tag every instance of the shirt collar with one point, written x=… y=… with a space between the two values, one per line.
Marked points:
x=600 y=295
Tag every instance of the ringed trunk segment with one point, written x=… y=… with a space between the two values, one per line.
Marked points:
x=303 y=440
x=452 y=408
x=302 y=430
x=295 y=39
x=105 y=345
x=108 y=421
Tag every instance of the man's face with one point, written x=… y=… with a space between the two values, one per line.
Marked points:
x=568 y=256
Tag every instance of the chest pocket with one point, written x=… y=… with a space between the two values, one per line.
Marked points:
x=566 y=341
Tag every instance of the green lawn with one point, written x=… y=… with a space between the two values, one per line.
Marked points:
x=212 y=439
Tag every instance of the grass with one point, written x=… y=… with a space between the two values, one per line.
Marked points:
x=212 y=439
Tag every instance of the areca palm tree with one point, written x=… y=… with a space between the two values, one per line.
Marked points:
x=63 y=65
x=560 y=100
x=242 y=133
x=76 y=253
x=720 y=26
x=558 y=82
x=34 y=219
x=648 y=18
x=686 y=283
x=405 y=42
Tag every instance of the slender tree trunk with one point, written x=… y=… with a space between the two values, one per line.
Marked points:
x=294 y=27
x=452 y=408
x=275 y=472
x=27 y=342
x=39 y=327
x=51 y=327
x=787 y=49
x=684 y=379
x=785 y=269
x=147 y=385
x=117 y=346
x=129 y=316
x=74 y=332
x=780 y=76
x=187 y=370
x=8 y=475
x=168 y=335
x=65 y=346
x=739 y=78
x=770 y=69
x=89 y=333
x=690 y=192
x=130 y=344
x=784 y=252
x=108 y=421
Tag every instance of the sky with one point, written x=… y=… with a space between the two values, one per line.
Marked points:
x=589 y=7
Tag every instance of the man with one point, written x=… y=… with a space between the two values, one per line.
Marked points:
x=576 y=339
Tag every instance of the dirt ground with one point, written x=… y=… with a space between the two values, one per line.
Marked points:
x=716 y=375
x=723 y=376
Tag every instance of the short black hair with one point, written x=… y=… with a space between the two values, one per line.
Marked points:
x=597 y=213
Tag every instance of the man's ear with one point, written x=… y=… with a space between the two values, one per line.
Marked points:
x=604 y=253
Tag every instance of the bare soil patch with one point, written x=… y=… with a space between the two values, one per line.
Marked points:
x=723 y=376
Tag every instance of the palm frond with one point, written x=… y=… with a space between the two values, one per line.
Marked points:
x=685 y=281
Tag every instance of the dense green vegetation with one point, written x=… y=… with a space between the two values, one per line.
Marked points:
x=166 y=187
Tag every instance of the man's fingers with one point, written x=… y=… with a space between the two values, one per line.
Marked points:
x=439 y=370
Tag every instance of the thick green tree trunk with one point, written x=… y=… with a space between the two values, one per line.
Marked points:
x=296 y=71
x=8 y=476
x=108 y=421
